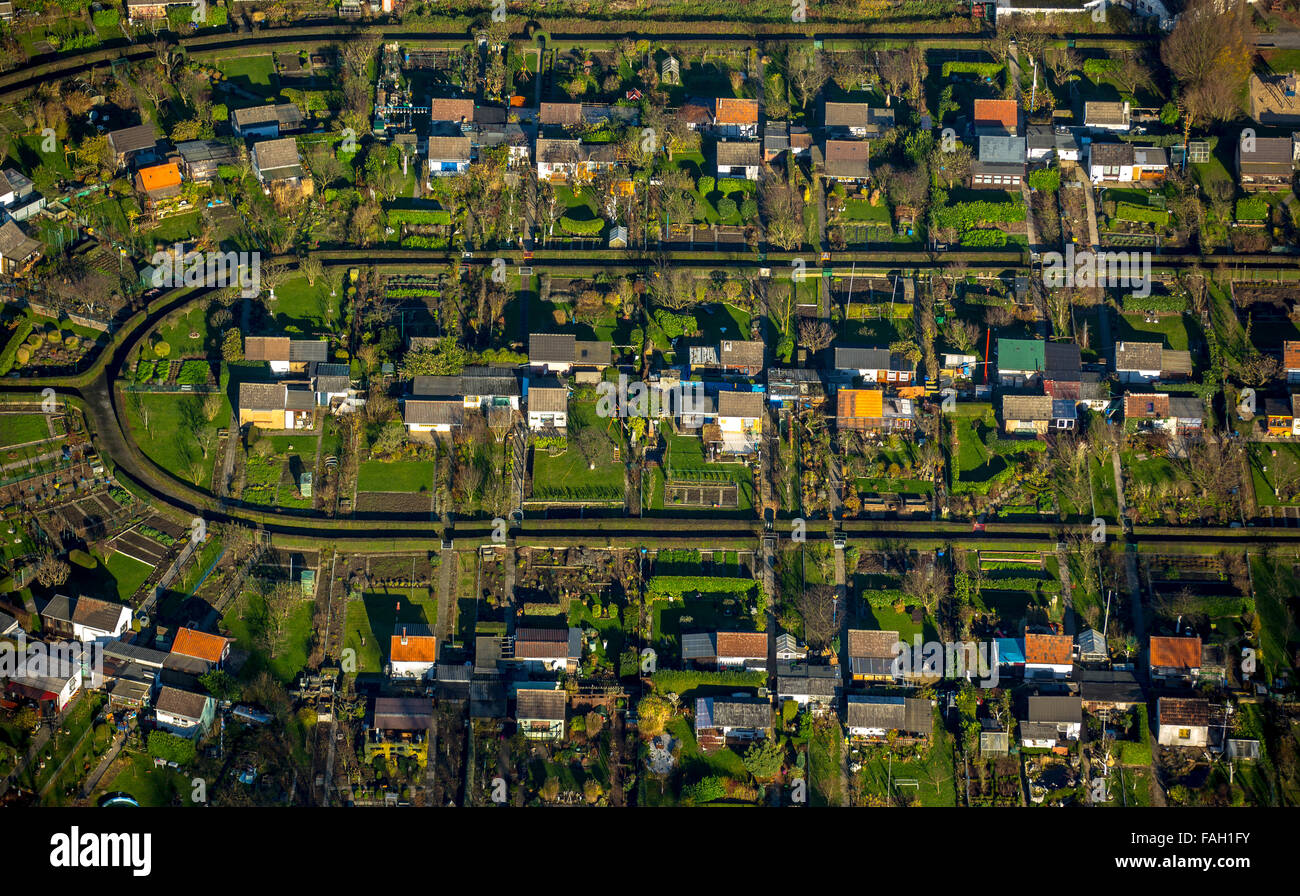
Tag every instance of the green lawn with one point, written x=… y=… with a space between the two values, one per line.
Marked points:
x=129 y=573
x=1276 y=587
x=725 y=763
x=246 y=621
x=976 y=428
x=717 y=322
x=1103 y=487
x=567 y=476
x=177 y=228
x=301 y=307
x=886 y=620
x=152 y=787
x=1171 y=330
x=15 y=429
x=824 y=765
x=934 y=772
x=176 y=332
x=177 y=436
x=860 y=210
x=371 y=617
x=1259 y=453
x=253 y=73
x=395 y=476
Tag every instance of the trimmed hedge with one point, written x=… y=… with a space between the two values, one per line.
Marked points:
x=10 y=353
x=1046 y=179
x=1128 y=211
x=1252 y=209
x=982 y=69
x=670 y=681
x=984 y=239
x=882 y=598
x=581 y=228
x=675 y=586
x=966 y=215
x=418 y=216
x=1153 y=303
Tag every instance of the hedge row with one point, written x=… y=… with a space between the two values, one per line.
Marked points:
x=984 y=239
x=882 y=598
x=1005 y=447
x=1129 y=211
x=674 y=586
x=1153 y=303
x=418 y=216
x=577 y=493
x=1047 y=586
x=581 y=228
x=982 y=69
x=682 y=683
x=1252 y=209
x=10 y=352
x=965 y=215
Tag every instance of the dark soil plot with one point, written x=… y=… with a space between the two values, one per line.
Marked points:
x=393 y=502
x=140 y=547
x=697 y=495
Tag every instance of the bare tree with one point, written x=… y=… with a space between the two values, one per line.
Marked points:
x=816 y=335
x=961 y=333
x=52 y=572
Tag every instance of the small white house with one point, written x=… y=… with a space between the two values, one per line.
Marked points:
x=448 y=156
x=412 y=651
x=1138 y=362
x=1182 y=722
x=432 y=415
x=1051 y=721
x=548 y=406
x=85 y=618
x=184 y=712
x=737 y=158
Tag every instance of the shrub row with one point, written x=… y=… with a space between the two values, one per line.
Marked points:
x=675 y=586
x=982 y=69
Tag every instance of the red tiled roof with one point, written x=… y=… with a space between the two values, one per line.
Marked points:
x=752 y=644
x=997 y=113
x=1050 y=650
x=417 y=649
x=199 y=645
x=1175 y=653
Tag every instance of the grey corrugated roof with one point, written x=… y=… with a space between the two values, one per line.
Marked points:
x=906 y=714
x=1138 y=355
x=136 y=653
x=419 y=412
x=133 y=139
x=299 y=400
x=535 y=703
x=700 y=645
x=403 y=713
x=998 y=150
x=58 y=607
x=1055 y=709
x=551 y=347
x=739 y=712
x=862 y=358
x=738 y=152
x=308 y=350
x=186 y=704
